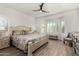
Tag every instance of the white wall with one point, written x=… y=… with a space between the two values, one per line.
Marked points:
x=16 y=18
x=77 y=20
x=71 y=19
x=39 y=23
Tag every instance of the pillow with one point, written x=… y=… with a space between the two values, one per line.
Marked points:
x=32 y=30
x=28 y=29
x=16 y=32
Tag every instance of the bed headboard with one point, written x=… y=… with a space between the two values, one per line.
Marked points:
x=20 y=29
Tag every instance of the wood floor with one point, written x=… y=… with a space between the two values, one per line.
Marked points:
x=53 y=48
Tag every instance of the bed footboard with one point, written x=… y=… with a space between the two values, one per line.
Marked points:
x=33 y=46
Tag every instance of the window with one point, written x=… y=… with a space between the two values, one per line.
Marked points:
x=55 y=27
x=52 y=27
x=3 y=23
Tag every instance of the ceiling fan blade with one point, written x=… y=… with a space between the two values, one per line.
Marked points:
x=44 y=11
x=37 y=10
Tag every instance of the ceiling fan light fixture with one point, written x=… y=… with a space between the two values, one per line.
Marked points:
x=40 y=11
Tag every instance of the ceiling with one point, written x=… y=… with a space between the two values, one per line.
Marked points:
x=52 y=8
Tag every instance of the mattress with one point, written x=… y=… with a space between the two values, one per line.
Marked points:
x=21 y=41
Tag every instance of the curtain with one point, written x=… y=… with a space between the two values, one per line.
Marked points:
x=55 y=27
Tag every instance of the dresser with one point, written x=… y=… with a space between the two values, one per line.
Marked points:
x=4 y=40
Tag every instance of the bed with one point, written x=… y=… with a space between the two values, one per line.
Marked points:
x=28 y=43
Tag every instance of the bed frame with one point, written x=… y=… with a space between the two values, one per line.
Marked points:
x=33 y=46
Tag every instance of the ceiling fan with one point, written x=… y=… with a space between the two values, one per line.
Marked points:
x=41 y=8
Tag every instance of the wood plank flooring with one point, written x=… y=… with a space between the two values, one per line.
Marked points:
x=53 y=48
x=11 y=51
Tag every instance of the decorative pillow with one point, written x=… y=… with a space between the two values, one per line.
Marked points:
x=23 y=32
x=17 y=32
x=27 y=30
x=32 y=30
